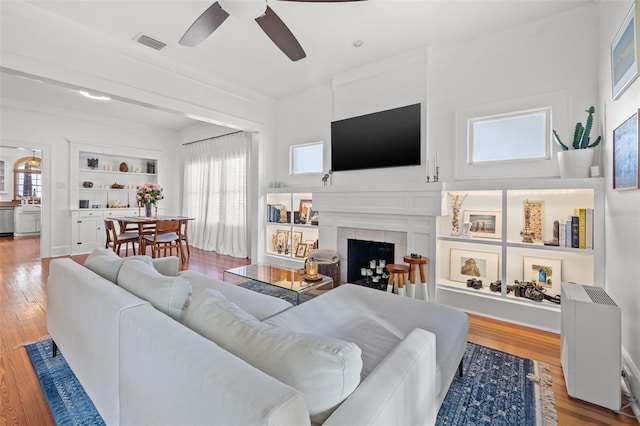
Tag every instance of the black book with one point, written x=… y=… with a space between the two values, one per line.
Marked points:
x=575 y=232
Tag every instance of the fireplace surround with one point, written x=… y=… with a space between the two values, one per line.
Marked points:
x=404 y=216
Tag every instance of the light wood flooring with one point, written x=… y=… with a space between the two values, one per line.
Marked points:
x=23 y=277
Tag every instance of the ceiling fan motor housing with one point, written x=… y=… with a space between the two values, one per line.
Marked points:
x=244 y=9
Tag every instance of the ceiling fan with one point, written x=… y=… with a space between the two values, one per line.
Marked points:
x=258 y=10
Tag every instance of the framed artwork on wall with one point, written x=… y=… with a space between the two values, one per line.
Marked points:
x=484 y=224
x=625 y=154
x=465 y=264
x=625 y=52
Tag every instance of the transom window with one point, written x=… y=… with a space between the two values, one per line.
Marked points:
x=306 y=158
x=523 y=135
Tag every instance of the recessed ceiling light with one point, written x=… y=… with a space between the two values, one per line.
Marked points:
x=95 y=97
x=357 y=43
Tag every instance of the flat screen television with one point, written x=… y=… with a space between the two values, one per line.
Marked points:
x=383 y=139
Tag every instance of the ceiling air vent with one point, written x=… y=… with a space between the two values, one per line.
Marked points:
x=150 y=42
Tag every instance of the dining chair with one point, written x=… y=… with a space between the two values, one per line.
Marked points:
x=184 y=238
x=116 y=238
x=165 y=236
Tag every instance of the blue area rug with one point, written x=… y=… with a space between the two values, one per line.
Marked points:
x=497 y=389
x=68 y=401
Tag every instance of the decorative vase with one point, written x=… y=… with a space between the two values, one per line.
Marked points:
x=147 y=210
x=575 y=163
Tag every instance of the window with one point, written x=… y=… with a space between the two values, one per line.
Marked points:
x=28 y=178
x=306 y=158
x=514 y=136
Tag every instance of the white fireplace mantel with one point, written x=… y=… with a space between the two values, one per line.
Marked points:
x=379 y=214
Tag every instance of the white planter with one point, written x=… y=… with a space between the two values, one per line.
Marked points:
x=575 y=163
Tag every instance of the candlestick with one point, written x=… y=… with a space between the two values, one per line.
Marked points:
x=437 y=160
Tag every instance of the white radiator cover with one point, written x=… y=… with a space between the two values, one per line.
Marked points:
x=591 y=345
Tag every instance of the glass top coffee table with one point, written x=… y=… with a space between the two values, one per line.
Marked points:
x=282 y=278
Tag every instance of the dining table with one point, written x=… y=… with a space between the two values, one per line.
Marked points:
x=146 y=224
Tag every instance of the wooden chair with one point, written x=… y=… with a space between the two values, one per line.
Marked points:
x=184 y=238
x=115 y=238
x=166 y=236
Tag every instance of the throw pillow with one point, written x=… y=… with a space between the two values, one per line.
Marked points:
x=324 y=369
x=107 y=263
x=170 y=295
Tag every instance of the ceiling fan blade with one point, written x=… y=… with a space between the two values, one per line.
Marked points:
x=206 y=24
x=280 y=34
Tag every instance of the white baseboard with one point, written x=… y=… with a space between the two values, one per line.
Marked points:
x=632 y=380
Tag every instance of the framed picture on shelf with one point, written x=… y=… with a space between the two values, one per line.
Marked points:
x=532 y=218
x=297 y=239
x=625 y=52
x=301 y=250
x=304 y=211
x=543 y=272
x=465 y=264
x=281 y=241
x=484 y=224
x=625 y=154
x=309 y=247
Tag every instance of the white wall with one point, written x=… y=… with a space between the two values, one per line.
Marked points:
x=622 y=208
x=32 y=125
x=550 y=62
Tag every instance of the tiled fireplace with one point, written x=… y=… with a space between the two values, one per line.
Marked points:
x=404 y=218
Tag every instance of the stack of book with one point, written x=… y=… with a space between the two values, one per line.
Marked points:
x=577 y=230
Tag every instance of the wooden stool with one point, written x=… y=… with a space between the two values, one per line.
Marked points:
x=413 y=262
x=400 y=271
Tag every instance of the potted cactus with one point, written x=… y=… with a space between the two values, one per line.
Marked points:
x=576 y=159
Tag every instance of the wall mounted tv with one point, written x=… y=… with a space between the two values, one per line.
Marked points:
x=383 y=139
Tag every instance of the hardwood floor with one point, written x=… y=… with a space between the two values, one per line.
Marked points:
x=23 y=277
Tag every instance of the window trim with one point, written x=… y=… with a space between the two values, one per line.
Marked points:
x=506 y=115
x=292 y=158
x=16 y=182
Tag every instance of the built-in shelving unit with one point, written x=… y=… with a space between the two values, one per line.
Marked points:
x=92 y=195
x=505 y=256
x=291 y=225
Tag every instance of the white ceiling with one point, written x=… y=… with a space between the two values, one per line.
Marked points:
x=241 y=54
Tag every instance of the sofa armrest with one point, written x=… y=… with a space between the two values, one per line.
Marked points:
x=83 y=316
x=400 y=390
x=168 y=266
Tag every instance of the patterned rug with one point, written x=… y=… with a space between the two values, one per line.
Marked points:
x=68 y=401
x=497 y=389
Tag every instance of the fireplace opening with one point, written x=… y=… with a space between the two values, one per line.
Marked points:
x=366 y=262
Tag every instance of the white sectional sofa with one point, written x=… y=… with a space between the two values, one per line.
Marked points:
x=154 y=346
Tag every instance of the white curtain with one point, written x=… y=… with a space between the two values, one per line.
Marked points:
x=216 y=181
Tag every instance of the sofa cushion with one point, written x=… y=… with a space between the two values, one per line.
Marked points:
x=170 y=295
x=107 y=263
x=326 y=370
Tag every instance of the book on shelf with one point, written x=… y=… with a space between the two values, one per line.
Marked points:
x=574 y=232
x=562 y=234
x=581 y=214
x=589 y=228
x=567 y=234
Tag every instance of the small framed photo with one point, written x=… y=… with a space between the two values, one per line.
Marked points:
x=309 y=247
x=625 y=51
x=484 y=224
x=625 y=154
x=297 y=239
x=304 y=211
x=543 y=272
x=465 y=264
x=301 y=250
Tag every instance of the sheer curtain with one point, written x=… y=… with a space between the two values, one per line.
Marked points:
x=216 y=180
